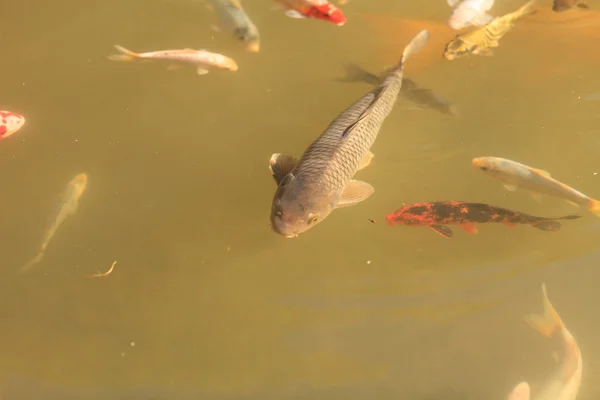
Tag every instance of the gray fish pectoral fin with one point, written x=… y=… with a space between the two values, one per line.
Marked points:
x=354 y=193
x=442 y=230
x=366 y=160
x=281 y=165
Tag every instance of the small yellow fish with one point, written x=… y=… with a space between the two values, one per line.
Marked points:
x=515 y=175
x=482 y=40
x=69 y=205
x=202 y=59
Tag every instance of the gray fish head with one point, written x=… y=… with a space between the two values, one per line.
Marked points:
x=297 y=206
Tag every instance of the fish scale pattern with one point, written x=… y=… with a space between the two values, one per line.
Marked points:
x=332 y=159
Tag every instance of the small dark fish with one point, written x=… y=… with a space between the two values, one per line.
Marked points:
x=410 y=90
x=437 y=215
x=564 y=5
x=310 y=188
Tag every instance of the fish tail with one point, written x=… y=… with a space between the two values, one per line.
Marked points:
x=127 y=55
x=527 y=9
x=411 y=48
x=595 y=207
x=548 y=225
x=549 y=322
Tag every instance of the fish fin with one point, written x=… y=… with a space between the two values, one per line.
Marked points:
x=536 y=196
x=201 y=71
x=31 y=263
x=453 y=3
x=484 y=51
x=173 y=67
x=482 y=19
x=555 y=356
x=583 y=6
x=280 y=165
x=520 y=392
x=442 y=230
x=527 y=9
x=236 y=4
x=366 y=160
x=510 y=187
x=549 y=322
x=569 y=217
x=595 y=207
x=573 y=203
x=469 y=228
x=542 y=172
x=293 y=14
x=509 y=224
x=416 y=44
x=126 y=55
x=215 y=28
x=547 y=225
x=355 y=192
x=278 y=7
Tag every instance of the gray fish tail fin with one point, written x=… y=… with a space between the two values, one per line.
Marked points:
x=527 y=9
x=411 y=48
x=126 y=55
x=569 y=217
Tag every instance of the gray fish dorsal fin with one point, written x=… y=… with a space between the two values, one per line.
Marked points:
x=280 y=165
x=365 y=114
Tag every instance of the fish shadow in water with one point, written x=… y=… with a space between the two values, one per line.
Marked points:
x=410 y=89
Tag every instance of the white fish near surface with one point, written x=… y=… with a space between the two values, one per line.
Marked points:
x=470 y=12
x=203 y=60
x=516 y=175
x=564 y=383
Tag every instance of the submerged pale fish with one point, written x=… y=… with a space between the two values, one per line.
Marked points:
x=482 y=40
x=69 y=205
x=309 y=189
x=232 y=17
x=202 y=59
x=470 y=12
x=410 y=90
x=516 y=175
x=564 y=383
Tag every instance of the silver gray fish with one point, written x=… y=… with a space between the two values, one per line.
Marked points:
x=233 y=17
x=309 y=189
x=410 y=90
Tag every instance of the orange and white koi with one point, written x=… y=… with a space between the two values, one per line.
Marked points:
x=318 y=9
x=10 y=123
x=204 y=60
x=564 y=383
x=515 y=175
x=69 y=205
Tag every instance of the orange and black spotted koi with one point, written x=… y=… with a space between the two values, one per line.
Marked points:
x=437 y=215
